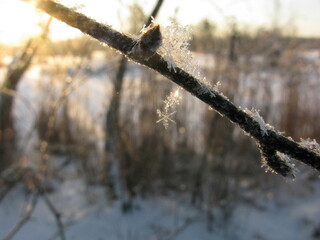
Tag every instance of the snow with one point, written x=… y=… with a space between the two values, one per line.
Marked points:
x=86 y=214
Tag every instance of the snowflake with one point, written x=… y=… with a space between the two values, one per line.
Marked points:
x=165 y=118
x=171 y=101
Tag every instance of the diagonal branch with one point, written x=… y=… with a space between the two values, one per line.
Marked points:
x=221 y=104
x=55 y=213
x=25 y=216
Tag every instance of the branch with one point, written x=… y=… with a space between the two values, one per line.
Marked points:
x=221 y=104
x=55 y=213
x=24 y=217
x=175 y=232
x=154 y=12
x=8 y=187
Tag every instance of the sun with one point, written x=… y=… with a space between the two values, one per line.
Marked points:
x=19 y=21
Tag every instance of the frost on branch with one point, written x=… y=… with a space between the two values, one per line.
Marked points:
x=254 y=113
x=165 y=115
x=175 y=48
x=311 y=145
x=288 y=162
x=277 y=162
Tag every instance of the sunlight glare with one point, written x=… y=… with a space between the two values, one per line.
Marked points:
x=22 y=21
x=176 y=93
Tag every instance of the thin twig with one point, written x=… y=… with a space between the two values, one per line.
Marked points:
x=56 y=215
x=57 y=233
x=175 y=232
x=210 y=96
x=171 y=235
x=25 y=216
x=6 y=190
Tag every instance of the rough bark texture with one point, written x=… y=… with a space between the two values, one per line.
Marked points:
x=124 y=43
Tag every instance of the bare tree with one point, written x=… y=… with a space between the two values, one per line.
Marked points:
x=15 y=71
x=114 y=181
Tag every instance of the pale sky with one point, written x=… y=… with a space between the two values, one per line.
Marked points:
x=18 y=20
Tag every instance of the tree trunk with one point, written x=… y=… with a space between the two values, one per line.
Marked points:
x=14 y=74
x=113 y=179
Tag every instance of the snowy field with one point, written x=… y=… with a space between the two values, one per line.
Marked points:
x=291 y=212
x=86 y=214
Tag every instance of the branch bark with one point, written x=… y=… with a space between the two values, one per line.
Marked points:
x=221 y=104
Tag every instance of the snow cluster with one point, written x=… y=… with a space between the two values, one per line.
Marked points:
x=176 y=53
x=175 y=48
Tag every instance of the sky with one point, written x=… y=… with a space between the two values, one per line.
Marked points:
x=19 y=20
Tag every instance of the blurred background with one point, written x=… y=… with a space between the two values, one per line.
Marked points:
x=123 y=152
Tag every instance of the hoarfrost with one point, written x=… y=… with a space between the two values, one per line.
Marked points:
x=286 y=165
x=288 y=161
x=254 y=113
x=175 y=48
x=170 y=62
x=310 y=144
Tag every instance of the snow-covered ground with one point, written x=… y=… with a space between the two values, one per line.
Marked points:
x=88 y=215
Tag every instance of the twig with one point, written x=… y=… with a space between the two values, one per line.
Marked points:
x=176 y=231
x=210 y=96
x=9 y=179
x=5 y=191
x=25 y=216
x=57 y=233
x=173 y=234
x=154 y=12
x=56 y=214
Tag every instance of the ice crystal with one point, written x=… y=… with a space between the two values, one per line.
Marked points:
x=284 y=166
x=175 y=48
x=288 y=162
x=165 y=118
x=254 y=113
x=173 y=99
x=217 y=86
x=310 y=144
x=170 y=103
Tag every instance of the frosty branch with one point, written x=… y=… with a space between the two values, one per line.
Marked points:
x=270 y=142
